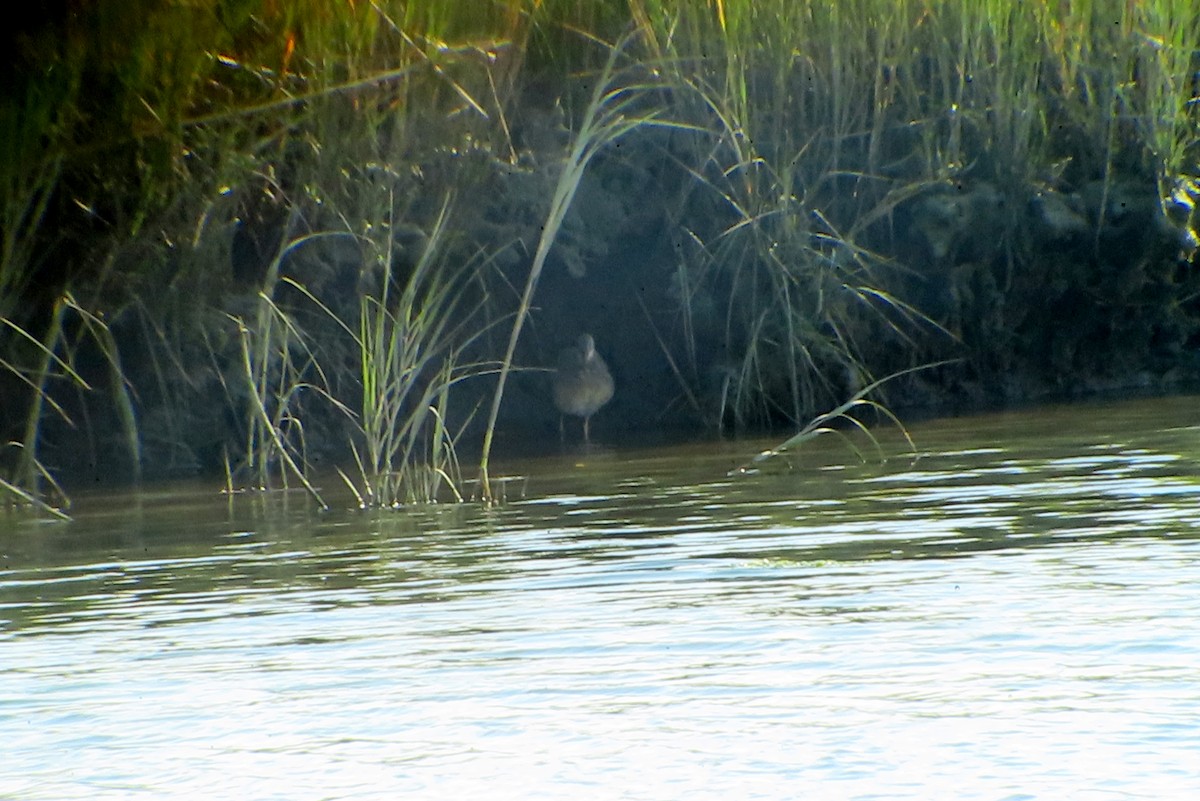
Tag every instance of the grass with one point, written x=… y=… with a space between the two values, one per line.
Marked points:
x=410 y=355
x=142 y=150
x=838 y=420
x=29 y=477
x=54 y=362
x=616 y=108
x=1166 y=103
x=829 y=127
x=790 y=264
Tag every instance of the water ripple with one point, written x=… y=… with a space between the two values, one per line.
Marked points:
x=1012 y=616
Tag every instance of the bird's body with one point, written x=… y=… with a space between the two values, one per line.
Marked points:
x=582 y=383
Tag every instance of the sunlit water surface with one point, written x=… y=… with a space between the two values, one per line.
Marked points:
x=1014 y=615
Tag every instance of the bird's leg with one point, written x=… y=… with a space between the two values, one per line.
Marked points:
x=586 y=436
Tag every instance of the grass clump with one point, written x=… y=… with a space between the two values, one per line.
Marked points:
x=249 y=203
x=886 y=174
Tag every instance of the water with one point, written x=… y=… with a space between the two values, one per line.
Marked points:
x=1015 y=615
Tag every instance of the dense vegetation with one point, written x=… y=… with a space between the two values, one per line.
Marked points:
x=266 y=236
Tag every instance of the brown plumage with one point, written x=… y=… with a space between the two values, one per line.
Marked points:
x=582 y=383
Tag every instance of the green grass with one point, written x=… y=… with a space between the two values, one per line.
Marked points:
x=139 y=148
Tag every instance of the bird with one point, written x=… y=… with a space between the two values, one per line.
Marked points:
x=582 y=383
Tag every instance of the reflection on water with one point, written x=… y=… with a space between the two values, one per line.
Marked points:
x=1013 y=615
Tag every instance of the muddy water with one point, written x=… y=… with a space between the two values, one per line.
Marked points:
x=1015 y=614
